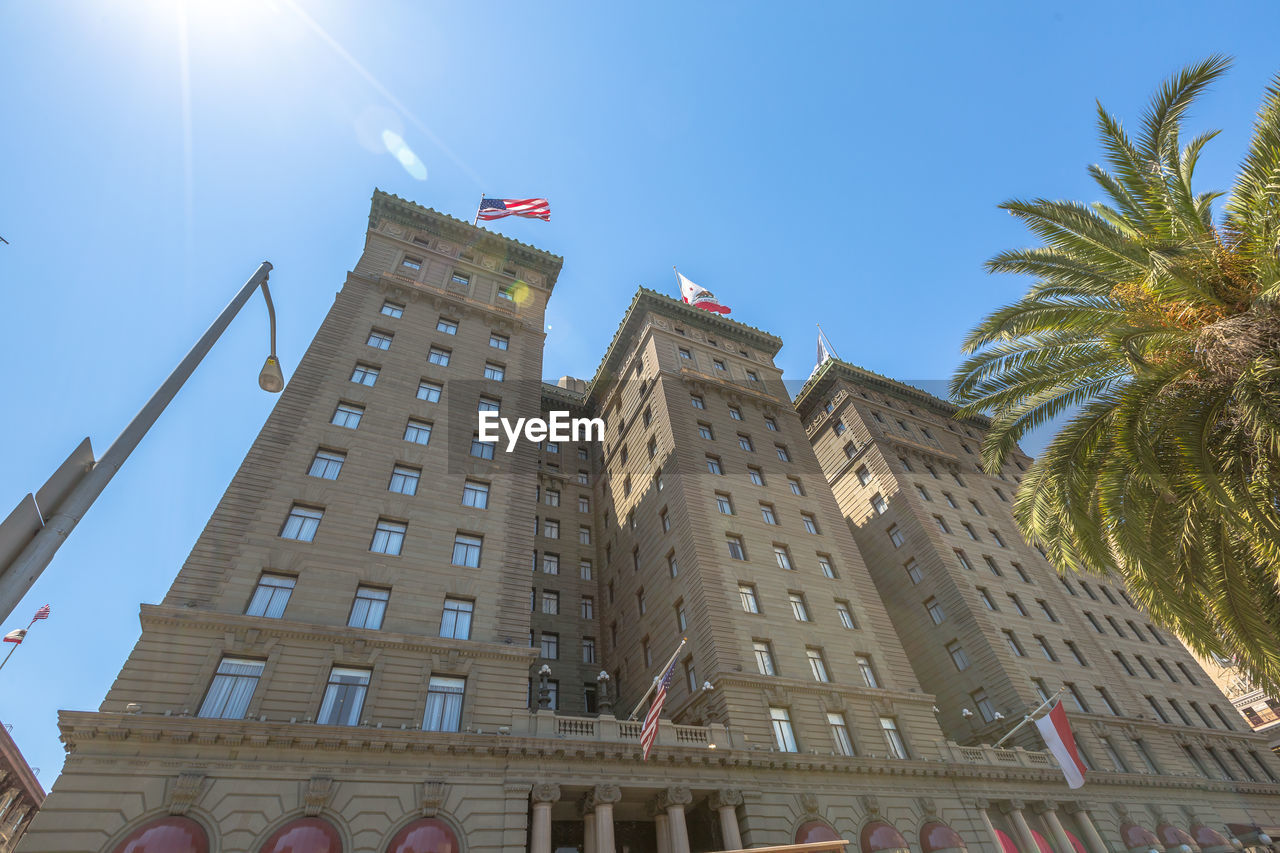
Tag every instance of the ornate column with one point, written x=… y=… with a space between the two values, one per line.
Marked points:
x=1092 y=839
x=726 y=802
x=662 y=830
x=600 y=800
x=544 y=794
x=1049 y=810
x=589 y=832
x=981 y=806
x=673 y=800
x=1026 y=840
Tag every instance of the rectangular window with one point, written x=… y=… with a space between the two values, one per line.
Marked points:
x=499 y=341
x=681 y=622
x=986 y=598
x=429 y=391
x=736 y=551
x=913 y=570
x=810 y=523
x=444 y=704
x=550 y=602
x=327 y=464
x=713 y=465
x=895 y=536
x=584 y=570
x=755 y=476
x=867 y=671
x=392 y=309
x=550 y=646
x=705 y=431
x=969 y=529
x=475 y=494
x=551 y=528
x=744 y=442
x=455 y=622
x=379 y=339
x=984 y=706
x=796 y=488
x=767 y=513
x=1075 y=696
x=963 y=560
x=481 y=449
x=735 y=413
x=672 y=567
x=343 y=697
x=864 y=476
x=840 y=734
x=271 y=596
x=690 y=676
x=496 y=372
x=404 y=480
x=409 y=262
x=231 y=689
x=747 y=594
x=489 y=404
x=369 y=607
x=958 y=657
x=1046 y=649
x=449 y=327
x=764 y=657
x=942 y=523
x=817 y=664
x=588 y=650
x=724 y=504
x=439 y=356
x=584 y=535
x=364 y=374
x=466 y=550
x=1014 y=646
x=1048 y=612
x=1116 y=761
x=697 y=401
x=783 y=557
x=783 y=453
x=388 y=537
x=347 y=415
x=845 y=615
x=685 y=354
x=893 y=738
x=301 y=523
x=784 y=738
x=587 y=607
x=826 y=567
x=935 y=611
x=1106 y=701
x=718 y=364
x=419 y=432
x=798 y=607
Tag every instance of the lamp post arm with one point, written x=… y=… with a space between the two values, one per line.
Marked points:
x=21 y=574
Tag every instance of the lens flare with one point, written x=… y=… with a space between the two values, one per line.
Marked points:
x=520 y=292
x=401 y=151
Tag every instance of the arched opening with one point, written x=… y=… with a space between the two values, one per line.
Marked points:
x=166 y=835
x=1138 y=839
x=427 y=835
x=305 y=835
x=881 y=837
x=937 y=837
x=815 y=830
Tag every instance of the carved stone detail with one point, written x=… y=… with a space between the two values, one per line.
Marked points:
x=433 y=794
x=928 y=807
x=184 y=792
x=317 y=793
x=602 y=795
x=546 y=792
x=808 y=803
x=724 y=797
x=676 y=795
x=871 y=805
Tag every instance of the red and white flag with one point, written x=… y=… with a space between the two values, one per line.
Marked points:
x=16 y=636
x=1056 y=732
x=699 y=297
x=42 y=613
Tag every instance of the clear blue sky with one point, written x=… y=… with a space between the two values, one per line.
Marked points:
x=806 y=162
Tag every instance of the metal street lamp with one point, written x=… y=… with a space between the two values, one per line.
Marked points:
x=34 y=531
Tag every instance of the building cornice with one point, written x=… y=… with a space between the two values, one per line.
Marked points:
x=646 y=300
x=192 y=621
x=391 y=207
x=11 y=758
x=833 y=369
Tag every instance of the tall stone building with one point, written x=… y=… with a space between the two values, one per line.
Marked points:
x=395 y=636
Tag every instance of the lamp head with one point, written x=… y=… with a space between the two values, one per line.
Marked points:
x=271 y=379
x=966 y=713
x=546 y=670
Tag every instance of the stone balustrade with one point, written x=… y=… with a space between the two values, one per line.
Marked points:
x=610 y=729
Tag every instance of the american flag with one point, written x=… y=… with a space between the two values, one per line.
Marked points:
x=42 y=613
x=496 y=208
x=649 y=731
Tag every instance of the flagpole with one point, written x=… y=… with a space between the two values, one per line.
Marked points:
x=1028 y=718
x=15 y=646
x=654 y=684
x=478 y=206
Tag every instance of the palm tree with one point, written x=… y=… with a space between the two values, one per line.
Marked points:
x=1153 y=329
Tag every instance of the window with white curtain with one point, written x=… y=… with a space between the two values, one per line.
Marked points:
x=444 y=704
x=231 y=689
x=327 y=464
x=301 y=523
x=369 y=607
x=388 y=537
x=271 y=596
x=456 y=621
x=784 y=738
x=343 y=697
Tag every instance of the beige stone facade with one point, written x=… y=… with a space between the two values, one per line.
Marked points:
x=355 y=646
x=20 y=793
